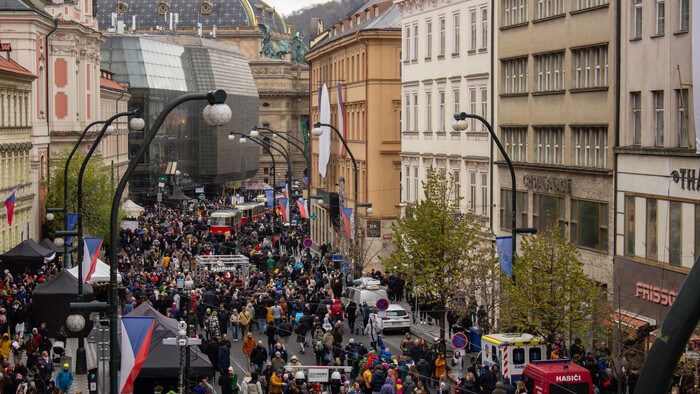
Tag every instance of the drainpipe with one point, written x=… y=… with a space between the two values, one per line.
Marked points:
x=493 y=106
x=618 y=19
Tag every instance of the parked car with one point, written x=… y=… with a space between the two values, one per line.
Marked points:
x=396 y=318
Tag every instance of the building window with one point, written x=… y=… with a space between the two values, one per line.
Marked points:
x=637 y=14
x=407 y=43
x=682 y=98
x=442 y=36
x=407 y=186
x=675 y=224
x=484 y=105
x=684 y=15
x=472 y=108
x=548 y=211
x=547 y=8
x=515 y=142
x=415 y=111
x=428 y=38
x=507 y=209
x=652 y=230
x=514 y=75
x=590 y=67
x=429 y=111
x=550 y=145
x=636 y=100
x=442 y=111
x=457 y=186
x=550 y=71
x=472 y=191
x=659 y=117
x=515 y=12
x=407 y=111
x=484 y=28
x=589 y=224
x=660 y=17
x=583 y=4
x=455 y=98
x=630 y=223
x=590 y=146
x=415 y=183
x=455 y=38
x=472 y=25
x=484 y=193
x=415 y=42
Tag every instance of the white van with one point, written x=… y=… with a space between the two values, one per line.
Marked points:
x=511 y=352
x=370 y=293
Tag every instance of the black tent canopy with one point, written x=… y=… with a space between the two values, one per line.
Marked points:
x=27 y=256
x=51 y=302
x=163 y=361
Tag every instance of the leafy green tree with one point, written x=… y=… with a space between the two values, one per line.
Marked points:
x=98 y=191
x=436 y=247
x=550 y=295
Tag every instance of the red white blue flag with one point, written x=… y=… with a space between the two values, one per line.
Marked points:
x=348 y=221
x=136 y=340
x=301 y=203
x=10 y=205
x=284 y=208
x=91 y=251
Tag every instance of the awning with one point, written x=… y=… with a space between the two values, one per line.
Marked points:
x=629 y=321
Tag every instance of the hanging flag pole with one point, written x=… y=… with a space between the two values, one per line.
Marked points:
x=10 y=204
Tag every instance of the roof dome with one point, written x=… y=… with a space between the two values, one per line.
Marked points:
x=222 y=13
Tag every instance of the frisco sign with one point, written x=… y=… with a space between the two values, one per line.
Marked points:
x=655 y=294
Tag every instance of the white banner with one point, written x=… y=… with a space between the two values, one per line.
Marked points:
x=324 y=141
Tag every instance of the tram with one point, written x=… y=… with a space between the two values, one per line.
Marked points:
x=252 y=211
x=225 y=220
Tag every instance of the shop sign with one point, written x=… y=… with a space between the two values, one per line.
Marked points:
x=689 y=178
x=374 y=228
x=655 y=294
x=547 y=184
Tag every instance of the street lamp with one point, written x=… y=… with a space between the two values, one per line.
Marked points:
x=242 y=140
x=81 y=357
x=460 y=124
x=216 y=117
x=255 y=133
x=49 y=216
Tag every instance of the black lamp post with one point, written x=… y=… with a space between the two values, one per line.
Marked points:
x=460 y=123
x=255 y=133
x=65 y=189
x=242 y=140
x=217 y=114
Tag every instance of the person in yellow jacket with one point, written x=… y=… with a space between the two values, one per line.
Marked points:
x=244 y=321
x=440 y=364
x=276 y=382
x=367 y=376
x=248 y=345
x=5 y=345
x=166 y=261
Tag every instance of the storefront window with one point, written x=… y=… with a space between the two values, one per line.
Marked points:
x=589 y=224
x=675 y=226
x=652 y=229
x=506 y=209
x=548 y=211
x=629 y=225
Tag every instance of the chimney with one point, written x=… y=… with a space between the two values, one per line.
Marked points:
x=5 y=49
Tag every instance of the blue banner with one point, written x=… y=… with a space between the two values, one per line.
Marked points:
x=504 y=245
x=270 y=198
x=71 y=221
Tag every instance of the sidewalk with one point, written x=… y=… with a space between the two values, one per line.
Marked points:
x=80 y=382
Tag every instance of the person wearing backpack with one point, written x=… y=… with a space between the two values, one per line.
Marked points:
x=319 y=350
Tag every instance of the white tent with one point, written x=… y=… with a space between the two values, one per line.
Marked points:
x=132 y=209
x=101 y=273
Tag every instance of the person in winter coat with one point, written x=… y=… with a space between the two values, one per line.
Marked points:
x=254 y=386
x=440 y=366
x=457 y=364
x=64 y=379
x=248 y=345
x=235 y=321
x=409 y=386
x=224 y=358
x=228 y=382
x=387 y=387
x=336 y=311
x=258 y=356
x=378 y=380
x=244 y=321
x=372 y=331
x=350 y=314
x=276 y=382
x=5 y=345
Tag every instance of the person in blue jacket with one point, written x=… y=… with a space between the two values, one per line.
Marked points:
x=64 y=379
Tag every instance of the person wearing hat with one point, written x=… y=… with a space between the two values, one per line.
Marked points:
x=294 y=362
x=248 y=345
x=276 y=382
x=211 y=323
x=64 y=379
x=228 y=382
x=277 y=361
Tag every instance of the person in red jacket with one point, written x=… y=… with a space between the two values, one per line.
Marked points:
x=336 y=311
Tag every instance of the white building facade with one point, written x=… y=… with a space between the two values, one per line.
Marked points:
x=447 y=68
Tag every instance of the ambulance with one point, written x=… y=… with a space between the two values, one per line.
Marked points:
x=557 y=377
x=511 y=352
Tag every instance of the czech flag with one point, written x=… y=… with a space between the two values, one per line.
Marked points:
x=136 y=340
x=284 y=205
x=10 y=205
x=91 y=250
x=301 y=203
x=349 y=221
x=305 y=179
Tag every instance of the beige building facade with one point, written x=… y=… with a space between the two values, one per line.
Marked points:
x=658 y=204
x=362 y=53
x=446 y=69
x=557 y=121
